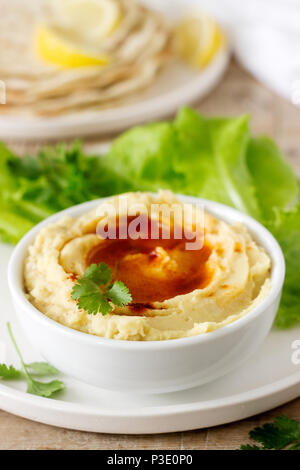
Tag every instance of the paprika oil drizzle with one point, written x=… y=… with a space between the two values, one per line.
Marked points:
x=154 y=269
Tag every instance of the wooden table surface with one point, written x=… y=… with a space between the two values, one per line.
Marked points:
x=238 y=93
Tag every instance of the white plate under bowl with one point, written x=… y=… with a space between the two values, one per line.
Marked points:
x=265 y=381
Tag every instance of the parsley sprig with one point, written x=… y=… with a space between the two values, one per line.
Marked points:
x=282 y=434
x=9 y=372
x=38 y=369
x=95 y=291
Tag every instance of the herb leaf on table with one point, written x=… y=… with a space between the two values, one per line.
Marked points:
x=282 y=434
x=9 y=372
x=43 y=389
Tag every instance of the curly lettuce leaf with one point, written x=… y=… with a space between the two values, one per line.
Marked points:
x=225 y=141
x=275 y=182
x=214 y=158
x=192 y=155
x=143 y=158
x=286 y=229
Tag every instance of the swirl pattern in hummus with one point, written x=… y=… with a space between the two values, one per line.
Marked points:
x=239 y=279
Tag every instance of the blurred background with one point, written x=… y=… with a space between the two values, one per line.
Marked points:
x=265 y=36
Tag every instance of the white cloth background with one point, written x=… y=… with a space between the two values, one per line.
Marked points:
x=265 y=37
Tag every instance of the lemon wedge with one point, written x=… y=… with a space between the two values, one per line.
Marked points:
x=89 y=20
x=53 y=47
x=198 y=38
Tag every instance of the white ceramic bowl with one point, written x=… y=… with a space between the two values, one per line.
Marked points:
x=150 y=366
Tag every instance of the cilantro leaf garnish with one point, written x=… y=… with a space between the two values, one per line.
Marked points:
x=95 y=291
x=9 y=372
x=119 y=294
x=282 y=434
x=98 y=273
x=43 y=389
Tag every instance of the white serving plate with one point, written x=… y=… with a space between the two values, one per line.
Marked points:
x=265 y=381
x=177 y=85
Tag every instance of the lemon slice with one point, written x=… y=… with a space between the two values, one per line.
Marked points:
x=91 y=20
x=54 y=48
x=197 y=39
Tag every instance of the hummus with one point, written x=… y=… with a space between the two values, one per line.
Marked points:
x=177 y=292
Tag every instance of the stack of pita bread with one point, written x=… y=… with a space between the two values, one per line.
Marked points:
x=138 y=47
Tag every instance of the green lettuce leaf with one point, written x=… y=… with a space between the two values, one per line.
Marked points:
x=286 y=228
x=192 y=155
x=275 y=182
x=212 y=155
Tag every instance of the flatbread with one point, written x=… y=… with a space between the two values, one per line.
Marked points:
x=139 y=47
